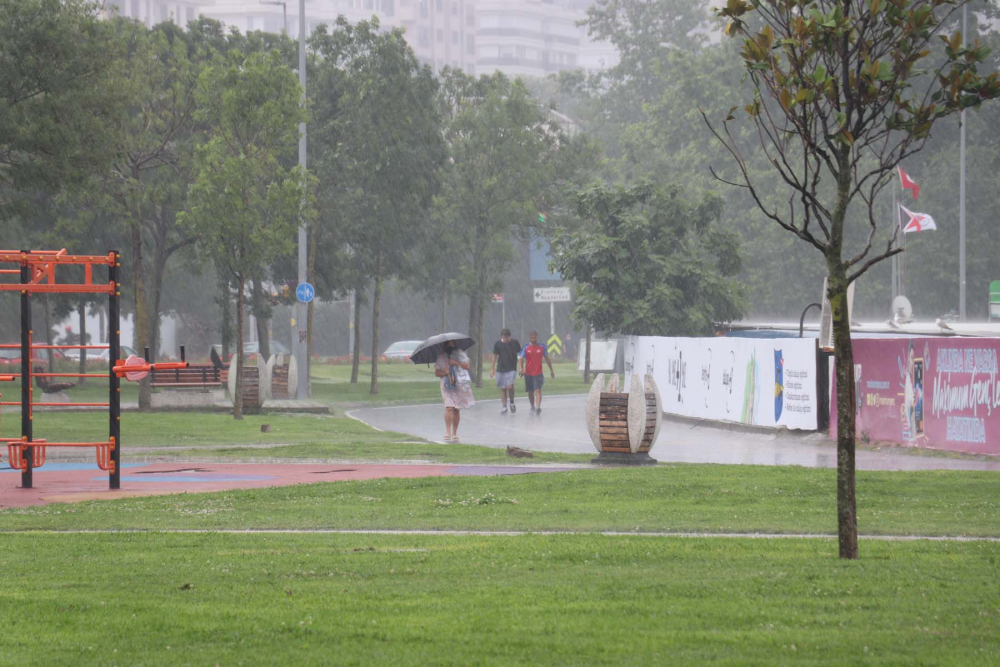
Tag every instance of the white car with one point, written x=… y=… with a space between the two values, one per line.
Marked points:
x=102 y=355
x=400 y=350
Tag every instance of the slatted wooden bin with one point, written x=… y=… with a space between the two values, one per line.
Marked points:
x=279 y=378
x=613 y=422
x=251 y=390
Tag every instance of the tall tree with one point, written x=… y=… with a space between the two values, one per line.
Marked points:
x=379 y=125
x=244 y=206
x=647 y=261
x=502 y=149
x=838 y=102
x=158 y=79
x=55 y=56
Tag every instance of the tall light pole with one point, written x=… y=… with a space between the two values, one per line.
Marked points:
x=961 y=194
x=300 y=341
x=284 y=10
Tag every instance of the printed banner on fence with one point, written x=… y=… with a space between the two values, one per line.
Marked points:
x=941 y=393
x=749 y=381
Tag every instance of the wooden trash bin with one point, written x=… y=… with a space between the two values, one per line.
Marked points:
x=251 y=390
x=623 y=425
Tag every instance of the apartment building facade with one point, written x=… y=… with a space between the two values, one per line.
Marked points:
x=518 y=37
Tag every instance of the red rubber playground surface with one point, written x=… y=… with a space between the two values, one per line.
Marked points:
x=74 y=482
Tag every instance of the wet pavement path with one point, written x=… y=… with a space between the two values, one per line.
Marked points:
x=561 y=428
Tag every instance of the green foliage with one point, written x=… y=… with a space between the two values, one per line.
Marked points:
x=54 y=95
x=244 y=205
x=648 y=262
x=503 y=151
x=838 y=103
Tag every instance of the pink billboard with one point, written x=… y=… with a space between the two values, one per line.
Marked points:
x=939 y=393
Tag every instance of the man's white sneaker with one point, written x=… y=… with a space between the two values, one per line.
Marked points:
x=503 y=410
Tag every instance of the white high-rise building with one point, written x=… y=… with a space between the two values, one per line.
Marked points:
x=517 y=37
x=536 y=38
x=152 y=12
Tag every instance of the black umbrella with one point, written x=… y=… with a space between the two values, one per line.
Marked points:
x=428 y=351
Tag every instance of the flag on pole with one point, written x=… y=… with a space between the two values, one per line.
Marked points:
x=907 y=183
x=919 y=222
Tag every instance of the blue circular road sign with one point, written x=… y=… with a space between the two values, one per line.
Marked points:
x=305 y=292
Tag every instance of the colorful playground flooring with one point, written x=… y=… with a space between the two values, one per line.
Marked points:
x=73 y=482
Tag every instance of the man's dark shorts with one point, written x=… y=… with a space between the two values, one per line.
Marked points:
x=533 y=382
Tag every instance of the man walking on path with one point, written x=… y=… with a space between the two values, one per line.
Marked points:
x=504 y=367
x=531 y=371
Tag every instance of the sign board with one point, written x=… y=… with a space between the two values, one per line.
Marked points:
x=995 y=300
x=763 y=382
x=938 y=393
x=551 y=294
x=826 y=317
x=555 y=344
x=497 y=298
x=305 y=292
x=603 y=354
x=538 y=260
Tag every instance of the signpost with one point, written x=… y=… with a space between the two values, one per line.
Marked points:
x=498 y=298
x=305 y=292
x=555 y=344
x=551 y=296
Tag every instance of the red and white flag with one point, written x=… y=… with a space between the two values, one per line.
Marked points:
x=919 y=222
x=907 y=183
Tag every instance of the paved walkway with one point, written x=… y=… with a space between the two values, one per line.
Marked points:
x=73 y=482
x=561 y=428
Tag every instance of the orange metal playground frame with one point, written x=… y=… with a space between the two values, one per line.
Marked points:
x=37 y=274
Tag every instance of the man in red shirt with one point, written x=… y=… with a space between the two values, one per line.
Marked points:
x=531 y=370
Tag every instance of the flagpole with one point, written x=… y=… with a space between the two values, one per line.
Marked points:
x=895 y=258
x=961 y=195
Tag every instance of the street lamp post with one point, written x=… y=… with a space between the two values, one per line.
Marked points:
x=284 y=10
x=302 y=309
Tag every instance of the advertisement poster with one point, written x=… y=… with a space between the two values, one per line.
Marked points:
x=762 y=382
x=940 y=393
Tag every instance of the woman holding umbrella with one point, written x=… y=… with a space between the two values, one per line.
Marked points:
x=451 y=364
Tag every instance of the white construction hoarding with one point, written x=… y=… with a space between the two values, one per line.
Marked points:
x=744 y=380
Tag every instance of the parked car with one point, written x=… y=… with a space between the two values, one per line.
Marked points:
x=124 y=352
x=276 y=347
x=400 y=350
x=11 y=356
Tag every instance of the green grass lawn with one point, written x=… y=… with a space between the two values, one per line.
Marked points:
x=689 y=498
x=409 y=383
x=206 y=599
x=162 y=598
x=214 y=435
x=331 y=384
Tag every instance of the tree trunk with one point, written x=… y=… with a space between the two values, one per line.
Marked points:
x=141 y=337
x=586 y=362
x=160 y=256
x=238 y=398
x=50 y=353
x=259 y=308
x=311 y=273
x=355 y=362
x=444 y=309
x=473 y=328
x=82 y=310
x=226 y=327
x=478 y=337
x=376 y=297
x=847 y=517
